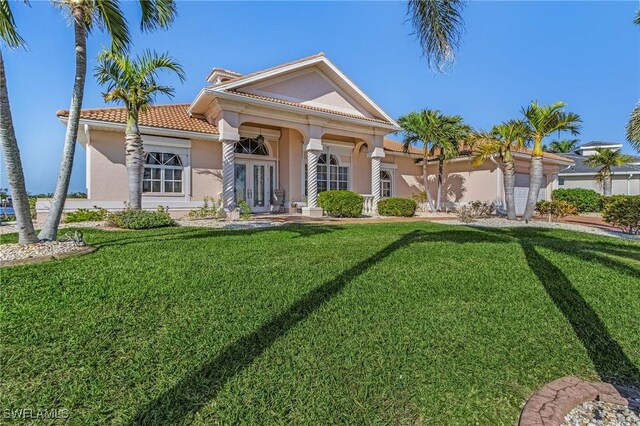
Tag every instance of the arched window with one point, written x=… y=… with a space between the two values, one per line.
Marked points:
x=162 y=173
x=253 y=146
x=386 y=184
x=331 y=175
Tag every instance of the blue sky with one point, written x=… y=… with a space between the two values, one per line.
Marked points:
x=586 y=53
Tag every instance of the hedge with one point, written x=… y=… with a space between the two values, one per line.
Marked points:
x=139 y=219
x=584 y=200
x=341 y=203
x=396 y=206
x=623 y=212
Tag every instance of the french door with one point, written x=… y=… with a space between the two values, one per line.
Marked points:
x=254 y=183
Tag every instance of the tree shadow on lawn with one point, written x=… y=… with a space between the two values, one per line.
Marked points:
x=608 y=357
x=202 y=385
x=190 y=233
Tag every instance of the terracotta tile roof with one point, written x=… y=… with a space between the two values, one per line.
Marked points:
x=395 y=146
x=309 y=107
x=174 y=117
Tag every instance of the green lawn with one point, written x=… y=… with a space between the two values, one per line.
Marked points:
x=355 y=324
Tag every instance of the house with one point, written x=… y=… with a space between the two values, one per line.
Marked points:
x=302 y=127
x=625 y=179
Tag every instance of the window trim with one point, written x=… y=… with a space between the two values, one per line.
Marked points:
x=180 y=147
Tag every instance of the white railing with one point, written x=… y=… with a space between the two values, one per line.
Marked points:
x=368 y=206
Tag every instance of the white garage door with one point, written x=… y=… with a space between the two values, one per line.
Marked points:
x=522 y=191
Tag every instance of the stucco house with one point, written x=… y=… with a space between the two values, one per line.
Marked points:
x=625 y=180
x=302 y=127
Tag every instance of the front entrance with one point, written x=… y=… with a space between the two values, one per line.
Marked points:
x=254 y=184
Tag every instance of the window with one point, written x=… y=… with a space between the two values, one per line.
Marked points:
x=162 y=173
x=561 y=181
x=330 y=174
x=253 y=146
x=386 y=181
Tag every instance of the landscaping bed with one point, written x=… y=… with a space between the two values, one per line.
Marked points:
x=389 y=323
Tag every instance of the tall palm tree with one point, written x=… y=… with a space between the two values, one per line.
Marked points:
x=562 y=146
x=542 y=121
x=10 y=151
x=453 y=132
x=499 y=142
x=86 y=15
x=606 y=159
x=133 y=83
x=438 y=24
x=431 y=130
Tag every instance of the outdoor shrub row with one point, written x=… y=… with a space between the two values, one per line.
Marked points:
x=584 y=200
x=555 y=209
x=140 y=219
x=339 y=203
x=623 y=212
x=396 y=206
x=86 y=215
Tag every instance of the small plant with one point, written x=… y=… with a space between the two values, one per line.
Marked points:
x=555 y=209
x=584 y=200
x=421 y=200
x=476 y=209
x=340 y=203
x=396 y=206
x=466 y=213
x=245 y=210
x=624 y=213
x=77 y=237
x=210 y=210
x=139 y=219
x=86 y=215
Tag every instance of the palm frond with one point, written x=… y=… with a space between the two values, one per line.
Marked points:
x=150 y=63
x=633 y=128
x=637 y=20
x=8 y=28
x=157 y=14
x=484 y=151
x=109 y=17
x=606 y=159
x=438 y=25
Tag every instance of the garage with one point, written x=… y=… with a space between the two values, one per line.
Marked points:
x=522 y=191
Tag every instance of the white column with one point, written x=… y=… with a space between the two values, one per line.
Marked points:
x=376 y=155
x=312 y=178
x=228 y=173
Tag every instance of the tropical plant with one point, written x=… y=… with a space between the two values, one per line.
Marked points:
x=542 y=121
x=555 y=209
x=562 y=146
x=436 y=134
x=605 y=159
x=499 y=142
x=8 y=142
x=85 y=16
x=633 y=127
x=438 y=26
x=133 y=82
x=624 y=213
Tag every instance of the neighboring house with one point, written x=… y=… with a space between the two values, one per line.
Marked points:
x=302 y=127
x=625 y=180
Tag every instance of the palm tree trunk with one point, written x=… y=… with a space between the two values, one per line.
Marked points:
x=425 y=177
x=440 y=173
x=50 y=228
x=535 y=182
x=15 y=175
x=509 y=176
x=134 y=160
x=607 y=184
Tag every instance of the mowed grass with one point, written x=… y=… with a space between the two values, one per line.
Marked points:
x=406 y=323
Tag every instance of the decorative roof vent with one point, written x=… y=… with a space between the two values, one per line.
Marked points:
x=220 y=75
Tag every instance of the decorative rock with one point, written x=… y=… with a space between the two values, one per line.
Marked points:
x=600 y=413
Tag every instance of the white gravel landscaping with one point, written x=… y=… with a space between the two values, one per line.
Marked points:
x=498 y=222
x=598 y=413
x=10 y=253
x=240 y=224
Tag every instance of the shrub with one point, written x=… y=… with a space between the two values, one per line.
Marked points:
x=555 y=209
x=610 y=199
x=396 y=206
x=86 y=215
x=584 y=200
x=467 y=213
x=140 y=219
x=210 y=210
x=341 y=203
x=624 y=213
x=245 y=210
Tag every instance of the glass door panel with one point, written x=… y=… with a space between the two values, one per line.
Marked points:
x=258 y=186
x=240 y=182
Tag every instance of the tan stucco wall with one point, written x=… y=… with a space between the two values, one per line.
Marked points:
x=206 y=169
x=108 y=178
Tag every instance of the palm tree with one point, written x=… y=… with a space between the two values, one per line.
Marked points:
x=453 y=132
x=633 y=127
x=438 y=25
x=499 y=142
x=606 y=159
x=133 y=82
x=86 y=15
x=10 y=151
x=562 y=146
x=542 y=121
x=433 y=131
